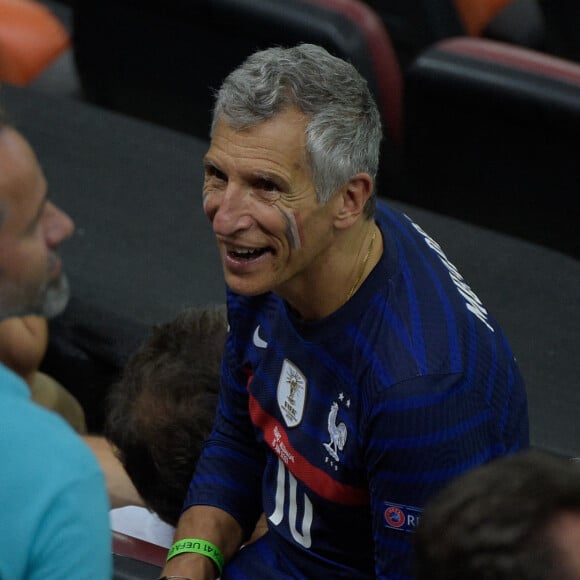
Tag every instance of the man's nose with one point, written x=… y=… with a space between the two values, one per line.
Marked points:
x=229 y=210
x=58 y=226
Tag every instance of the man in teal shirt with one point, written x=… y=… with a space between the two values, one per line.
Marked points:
x=54 y=504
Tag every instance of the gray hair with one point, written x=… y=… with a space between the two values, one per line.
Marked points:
x=344 y=130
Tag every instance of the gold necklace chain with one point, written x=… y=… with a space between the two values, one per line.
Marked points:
x=362 y=269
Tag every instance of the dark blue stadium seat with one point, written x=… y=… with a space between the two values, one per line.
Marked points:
x=491 y=136
x=416 y=24
x=161 y=61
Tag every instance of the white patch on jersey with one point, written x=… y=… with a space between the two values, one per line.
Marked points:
x=338 y=432
x=291 y=394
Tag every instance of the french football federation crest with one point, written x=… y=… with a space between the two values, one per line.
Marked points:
x=291 y=394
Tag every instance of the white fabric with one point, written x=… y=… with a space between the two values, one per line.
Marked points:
x=141 y=523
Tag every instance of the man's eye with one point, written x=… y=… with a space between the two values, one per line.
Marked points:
x=266 y=190
x=214 y=172
x=266 y=185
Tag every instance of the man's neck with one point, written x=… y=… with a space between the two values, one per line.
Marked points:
x=337 y=275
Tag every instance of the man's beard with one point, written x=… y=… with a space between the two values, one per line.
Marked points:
x=48 y=300
x=56 y=296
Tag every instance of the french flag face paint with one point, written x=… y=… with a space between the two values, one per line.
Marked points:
x=293 y=227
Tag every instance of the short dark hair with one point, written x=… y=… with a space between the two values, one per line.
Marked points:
x=494 y=522
x=162 y=409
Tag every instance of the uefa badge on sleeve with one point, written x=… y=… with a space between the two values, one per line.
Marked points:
x=401 y=517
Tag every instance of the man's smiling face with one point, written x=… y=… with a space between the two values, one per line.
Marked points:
x=261 y=200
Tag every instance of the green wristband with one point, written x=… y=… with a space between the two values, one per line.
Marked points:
x=198 y=546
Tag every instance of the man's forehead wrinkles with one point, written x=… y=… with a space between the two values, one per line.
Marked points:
x=251 y=145
x=251 y=165
x=253 y=155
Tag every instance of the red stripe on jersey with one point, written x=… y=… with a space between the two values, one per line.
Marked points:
x=312 y=476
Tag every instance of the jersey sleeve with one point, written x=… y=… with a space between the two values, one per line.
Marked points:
x=229 y=473
x=425 y=433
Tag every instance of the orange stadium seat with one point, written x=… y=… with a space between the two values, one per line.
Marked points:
x=31 y=37
x=475 y=16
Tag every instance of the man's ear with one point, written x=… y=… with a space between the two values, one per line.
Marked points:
x=352 y=199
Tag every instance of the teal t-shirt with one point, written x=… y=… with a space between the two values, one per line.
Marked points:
x=54 y=521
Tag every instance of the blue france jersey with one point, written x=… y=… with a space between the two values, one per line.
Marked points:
x=340 y=429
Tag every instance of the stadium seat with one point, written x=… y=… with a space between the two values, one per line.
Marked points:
x=562 y=18
x=491 y=136
x=135 y=559
x=31 y=37
x=161 y=61
x=416 y=24
x=475 y=16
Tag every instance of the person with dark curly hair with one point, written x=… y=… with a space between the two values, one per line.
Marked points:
x=162 y=409
x=516 y=517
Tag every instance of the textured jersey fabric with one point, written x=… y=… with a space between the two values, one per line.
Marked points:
x=345 y=426
x=54 y=522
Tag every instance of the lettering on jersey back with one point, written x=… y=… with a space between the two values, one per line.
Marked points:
x=472 y=302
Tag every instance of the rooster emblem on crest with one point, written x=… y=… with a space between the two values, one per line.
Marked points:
x=338 y=433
